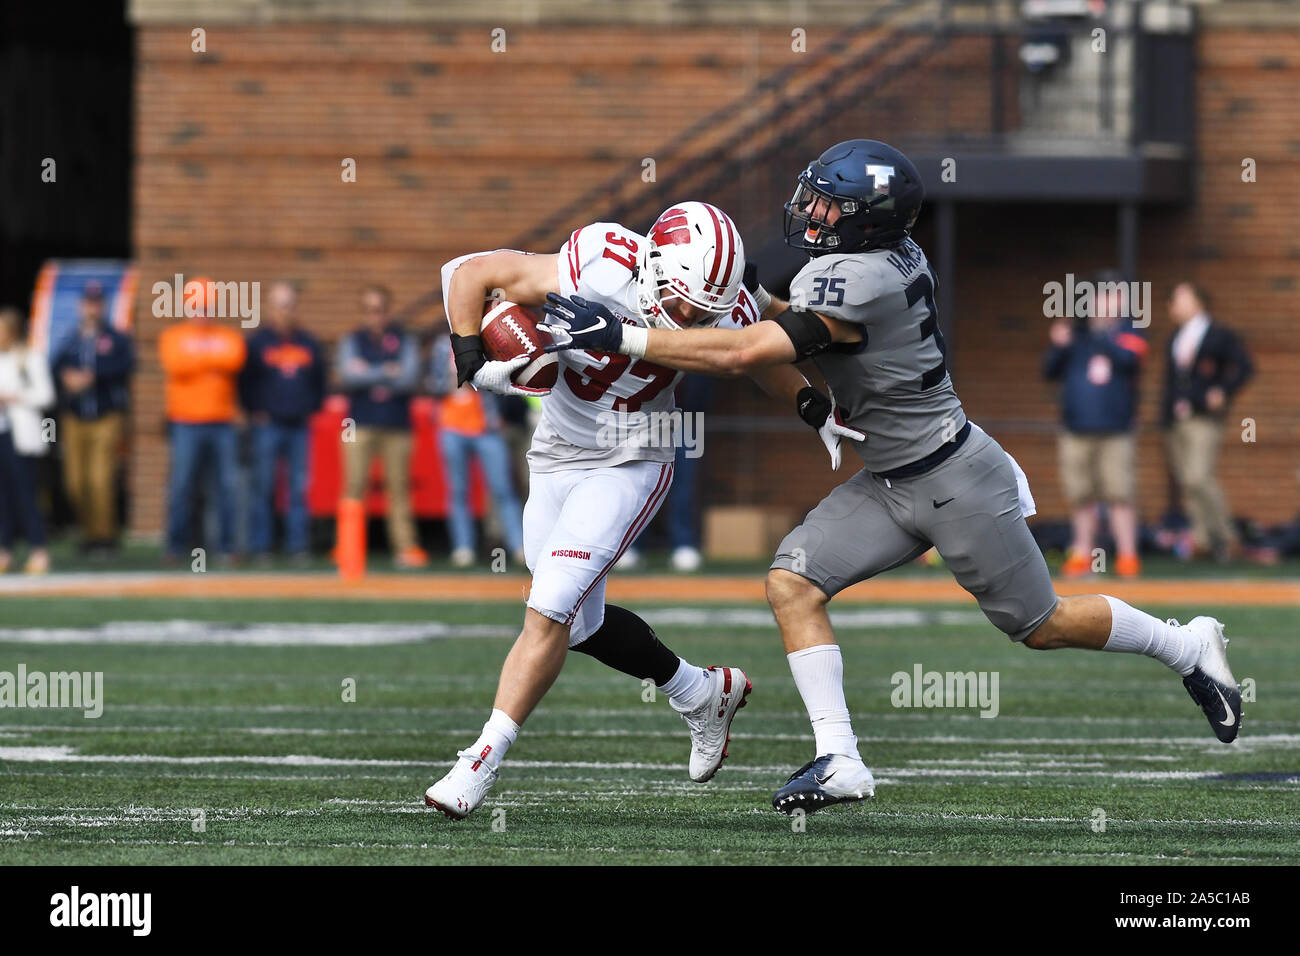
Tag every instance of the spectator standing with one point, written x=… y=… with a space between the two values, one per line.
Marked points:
x=25 y=389
x=1206 y=365
x=94 y=368
x=694 y=395
x=1097 y=360
x=282 y=385
x=471 y=425
x=378 y=366
x=519 y=415
x=201 y=363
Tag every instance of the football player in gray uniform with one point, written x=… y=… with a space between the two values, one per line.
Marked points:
x=863 y=311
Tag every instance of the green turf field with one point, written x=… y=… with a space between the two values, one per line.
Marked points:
x=1092 y=758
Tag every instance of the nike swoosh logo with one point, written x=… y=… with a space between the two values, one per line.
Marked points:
x=822 y=780
x=600 y=324
x=940 y=504
x=1228 y=718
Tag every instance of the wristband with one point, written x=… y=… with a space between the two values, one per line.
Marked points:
x=635 y=340
x=762 y=299
x=468 y=350
x=814 y=407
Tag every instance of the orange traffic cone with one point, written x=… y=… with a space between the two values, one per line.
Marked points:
x=350 y=544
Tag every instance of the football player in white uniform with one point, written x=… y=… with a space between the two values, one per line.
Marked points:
x=598 y=466
x=864 y=311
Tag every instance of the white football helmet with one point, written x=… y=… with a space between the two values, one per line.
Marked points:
x=694 y=252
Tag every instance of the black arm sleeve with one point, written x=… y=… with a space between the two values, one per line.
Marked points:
x=808 y=333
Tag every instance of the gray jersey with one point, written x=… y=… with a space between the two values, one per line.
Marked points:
x=894 y=385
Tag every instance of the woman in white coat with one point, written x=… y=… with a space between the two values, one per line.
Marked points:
x=25 y=390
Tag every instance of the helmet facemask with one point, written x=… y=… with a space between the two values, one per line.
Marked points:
x=803 y=229
x=661 y=274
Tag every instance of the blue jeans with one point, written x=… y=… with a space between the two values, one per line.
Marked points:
x=683 y=507
x=270 y=442
x=193 y=447
x=494 y=459
x=695 y=394
x=18 y=496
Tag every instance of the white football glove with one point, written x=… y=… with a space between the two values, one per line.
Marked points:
x=830 y=434
x=495 y=377
x=814 y=405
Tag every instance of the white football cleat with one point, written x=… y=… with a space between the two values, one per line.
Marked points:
x=458 y=794
x=1211 y=683
x=710 y=723
x=824 y=782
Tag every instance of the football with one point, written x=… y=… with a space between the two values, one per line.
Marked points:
x=510 y=330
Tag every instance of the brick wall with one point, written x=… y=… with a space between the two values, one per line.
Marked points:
x=238 y=154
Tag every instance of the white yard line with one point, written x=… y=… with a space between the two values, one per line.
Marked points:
x=182 y=631
x=67 y=754
x=1243 y=744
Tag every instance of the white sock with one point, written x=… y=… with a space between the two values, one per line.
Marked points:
x=498 y=734
x=688 y=688
x=819 y=674
x=1137 y=632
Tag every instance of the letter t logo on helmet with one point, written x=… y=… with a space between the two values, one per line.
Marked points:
x=694 y=254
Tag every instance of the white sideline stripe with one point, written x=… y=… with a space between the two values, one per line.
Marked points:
x=66 y=754
x=186 y=632
x=191 y=632
x=927 y=715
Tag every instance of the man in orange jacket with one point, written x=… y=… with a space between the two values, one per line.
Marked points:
x=201 y=361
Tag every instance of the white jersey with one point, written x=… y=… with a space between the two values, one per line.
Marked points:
x=606 y=409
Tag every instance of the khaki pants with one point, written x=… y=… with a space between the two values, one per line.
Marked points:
x=394 y=445
x=89 y=469
x=1098 y=468
x=1193 y=448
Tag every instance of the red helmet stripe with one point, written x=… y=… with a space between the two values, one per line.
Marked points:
x=730 y=243
x=717 y=245
x=734 y=241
